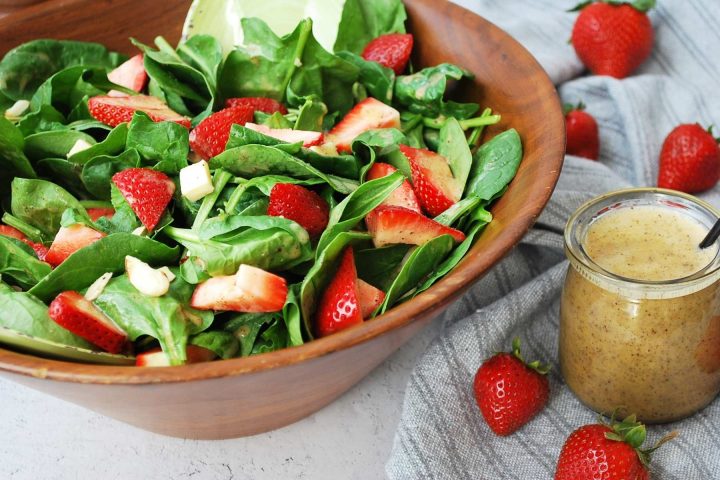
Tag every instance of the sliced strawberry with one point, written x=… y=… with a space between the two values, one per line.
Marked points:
x=289 y=135
x=40 y=250
x=77 y=314
x=260 y=104
x=370 y=114
x=251 y=289
x=300 y=205
x=147 y=191
x=403 y=196
x=9 y=231
x=69 y=240
x=391 y=225
x=113 y=111
x=211 y=135
x=432 y=179
x=392 y=51
x=157 y=358
x=130 y=74
x=97 y=213
x=339 y=306
x=370 y=298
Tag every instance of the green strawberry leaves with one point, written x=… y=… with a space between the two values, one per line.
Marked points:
x=639 y=5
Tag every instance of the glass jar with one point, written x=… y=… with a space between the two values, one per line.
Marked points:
x=649 y=347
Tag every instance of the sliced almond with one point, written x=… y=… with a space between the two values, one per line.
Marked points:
x=96 y=289
x=146 y=279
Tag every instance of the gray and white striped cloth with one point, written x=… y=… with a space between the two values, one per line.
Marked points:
x=441 y=434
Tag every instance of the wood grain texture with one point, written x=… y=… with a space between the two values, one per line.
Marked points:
x=247 y=396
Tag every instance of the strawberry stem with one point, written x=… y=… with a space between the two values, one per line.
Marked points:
x=95 y=204
x=305 y=30
x=477 y=132
x=220 y=179
x=639 y=5
x=535 y=365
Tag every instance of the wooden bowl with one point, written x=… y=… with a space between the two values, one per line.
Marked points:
x=246 y=396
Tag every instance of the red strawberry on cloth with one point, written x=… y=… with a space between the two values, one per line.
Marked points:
x=113 y=110
x=607 y=452
x=582 y=132
x=689 y=159
x=392 y=51
x=208 y=139
x=147 y=191
x=339 y=306
x=613 y=38
x=300 y=205
x=79 y=315
x=509 y=391
x=260 y=104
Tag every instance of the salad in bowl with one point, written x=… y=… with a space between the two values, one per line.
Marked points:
x=190 y=204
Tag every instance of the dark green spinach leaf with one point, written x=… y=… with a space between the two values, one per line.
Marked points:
x=495 y=164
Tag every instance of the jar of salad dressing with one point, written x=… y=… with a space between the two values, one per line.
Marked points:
x=640 y=309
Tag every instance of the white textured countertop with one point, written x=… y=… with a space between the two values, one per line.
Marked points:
x=46 y=438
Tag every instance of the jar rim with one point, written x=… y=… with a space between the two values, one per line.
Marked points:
x=577 y=255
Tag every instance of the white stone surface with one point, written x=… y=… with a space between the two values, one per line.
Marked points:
x=46 y=438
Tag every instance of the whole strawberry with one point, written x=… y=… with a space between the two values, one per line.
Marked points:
x=510 y=392
x=607 y=452
x=689 y=159
x=613 y=37
x=582 y=132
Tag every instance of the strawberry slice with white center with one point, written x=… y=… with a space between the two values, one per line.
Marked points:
x=390 y=225
x=403 y=196
x=69 y=240
x=157 y=358
x=130 y=74
x=288 y=135
x=97 y=213
x=370 y=114
x=339 y=305
x=113 y=111
x=147 y=191
x=251 y=289
x=370 y=298
x=432 y=179
x=77 y=314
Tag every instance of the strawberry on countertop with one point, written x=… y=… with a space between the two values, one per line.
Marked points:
x=403 y=196
x=130 y=74
x=689 y=159
x=613 y=39
x=391 y=50
x=367 y=115
x=77 y=314
x=582 y=132
x=433 y=181
x=300 y=205
x=113 y=111
x=211 y=135
x=510 y=392
x=390 y=225
x=339 y=306
x=260 y=104
x=607 y=452
x=147 y=191
x=69 y=240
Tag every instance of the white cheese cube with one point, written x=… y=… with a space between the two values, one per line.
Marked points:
x=79 y=146
x=195 y=181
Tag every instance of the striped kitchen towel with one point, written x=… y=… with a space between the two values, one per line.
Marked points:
x=441 y=434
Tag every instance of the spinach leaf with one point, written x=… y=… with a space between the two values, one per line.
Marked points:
x=41 y=204
x=19 y=262
x=274 y=337
x=246 y=328
x=274 y=120
x=379 y=266
x=224 y=344
x=162 y=145
x=348 y=213
x=68 y=90
x=14 y=162
x=323 y=271
x=311 y=115
x=83 y=267
x=377 y=79
x=293 y=316
x=97 y=173
x=124 y=220
x=53 y=144
x=376 y=143
x=456 y=212
x=204 y=53
x=168 y=318
x=422 y=92
x=42 y=120
x=495 y=164
x=259 y=160
x=66 y=173
x=365 y=20
x=113 y=144
x=453 y=145
x=419 y=264
x=25 y=67
x=24 y=313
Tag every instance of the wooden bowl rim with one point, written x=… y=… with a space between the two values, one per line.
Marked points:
x=443 y=292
